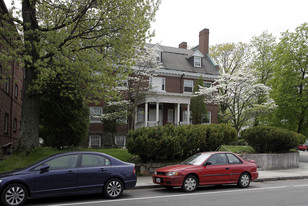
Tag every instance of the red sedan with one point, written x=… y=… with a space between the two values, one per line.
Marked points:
x=208 y=168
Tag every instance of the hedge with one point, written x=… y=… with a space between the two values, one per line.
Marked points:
x=267 y=139
x=170 y=143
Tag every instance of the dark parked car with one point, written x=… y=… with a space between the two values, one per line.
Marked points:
x=72 y=173
x=208 y=168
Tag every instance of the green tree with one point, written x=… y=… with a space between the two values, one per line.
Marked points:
x=262 y=50
x=95 y=40
x=230 y=57
x=198 y=105
x=64 y=121
x=290 y=82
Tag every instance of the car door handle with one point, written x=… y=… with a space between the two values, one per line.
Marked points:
x=102 y=169
x=227 y=168
x=70 y=172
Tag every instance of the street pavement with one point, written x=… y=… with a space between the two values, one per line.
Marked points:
x=269 y=175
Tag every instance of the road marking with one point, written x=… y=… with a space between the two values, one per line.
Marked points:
x=300 y=185
x=170 y=196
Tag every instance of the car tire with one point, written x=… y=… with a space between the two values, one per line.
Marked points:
x=190 y=183
x=14 y=194
x=244 y=180
x=113 y=188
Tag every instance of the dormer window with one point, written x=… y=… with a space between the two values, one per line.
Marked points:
x=197 y=61
x=158 y=56
x=159 y=52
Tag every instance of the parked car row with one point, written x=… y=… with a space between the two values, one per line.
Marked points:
x=76 y=173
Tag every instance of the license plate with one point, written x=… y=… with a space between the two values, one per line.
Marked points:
x=158 y=180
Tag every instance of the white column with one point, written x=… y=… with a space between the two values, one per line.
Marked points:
x=178 y=115
x=188 y=113
x=146 y=115
x=157 y=113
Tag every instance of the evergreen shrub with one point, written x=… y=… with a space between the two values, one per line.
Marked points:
x=268 y=139
x=171 y=143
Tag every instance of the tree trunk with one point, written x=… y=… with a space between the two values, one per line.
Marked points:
x=29 y=135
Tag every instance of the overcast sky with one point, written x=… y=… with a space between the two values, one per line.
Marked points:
x=227 y=20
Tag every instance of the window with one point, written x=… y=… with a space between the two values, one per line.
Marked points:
x=89 y=160
x=188 y=85
x=170 y=115
x=120 y=140
x=16 y=90
x=15 y=125
x=95 y=111
x=206 y=118
x=233 y=159
x=197 y=61
x=218 y=159
x=207 y=84
x=95 y=141
x=158 y=83
x=20 y=94
x=140 y=115
x=158 y=56
x=7 y=85
x=6 y=123
x=64 y=162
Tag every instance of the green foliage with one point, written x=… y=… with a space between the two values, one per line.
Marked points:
x=198 y=105
x=267 y=139
x=290 y=82
x=169 y=143
x=92 y=40
x=64 y=120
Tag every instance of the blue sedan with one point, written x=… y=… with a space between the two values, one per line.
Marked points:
x=72 y=173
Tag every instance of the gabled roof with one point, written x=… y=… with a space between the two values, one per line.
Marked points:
x=177 y=59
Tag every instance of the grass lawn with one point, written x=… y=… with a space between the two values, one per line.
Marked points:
x=19 y=160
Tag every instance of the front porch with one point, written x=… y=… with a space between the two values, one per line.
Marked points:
x=163 y=109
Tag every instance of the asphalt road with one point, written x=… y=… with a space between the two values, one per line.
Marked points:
x=282 y=193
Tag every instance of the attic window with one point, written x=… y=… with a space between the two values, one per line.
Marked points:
x=158 y=56
x=197 y=61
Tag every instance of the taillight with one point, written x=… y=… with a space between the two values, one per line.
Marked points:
x=134 y=171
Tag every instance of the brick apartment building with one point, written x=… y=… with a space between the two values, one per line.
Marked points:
x=172 y=85
x=11 y=87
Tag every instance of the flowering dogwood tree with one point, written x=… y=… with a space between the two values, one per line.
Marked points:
x=240 y=96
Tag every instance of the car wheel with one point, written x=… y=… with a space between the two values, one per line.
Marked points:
x=190 y=183
x=244 y=180
x=113 y=188
x=14 y=194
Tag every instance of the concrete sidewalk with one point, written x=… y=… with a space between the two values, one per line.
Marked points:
x=270 y=175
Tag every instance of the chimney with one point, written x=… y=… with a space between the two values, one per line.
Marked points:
x=183 y=45
x=204 y=41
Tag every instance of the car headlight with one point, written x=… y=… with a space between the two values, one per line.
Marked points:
x=0 y=181
x=155 y=172
x=172 y=174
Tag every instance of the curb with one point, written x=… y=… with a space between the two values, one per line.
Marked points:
x=151 y=186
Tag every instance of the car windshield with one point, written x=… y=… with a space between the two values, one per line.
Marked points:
x=196 y=159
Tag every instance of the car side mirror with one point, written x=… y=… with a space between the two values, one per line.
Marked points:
x=208 y=163
x=44 y=168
